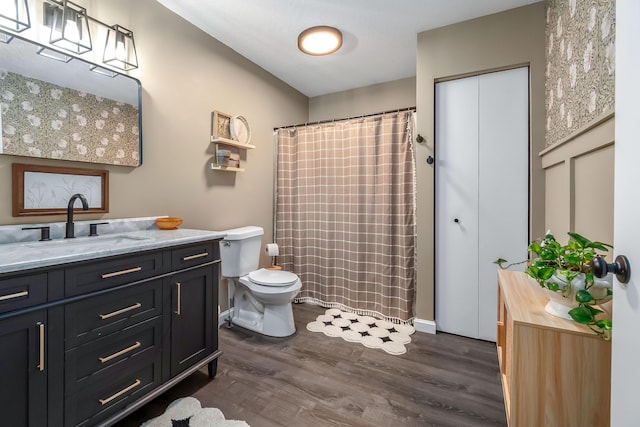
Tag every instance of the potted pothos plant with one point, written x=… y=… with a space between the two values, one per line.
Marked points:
x=566 y=270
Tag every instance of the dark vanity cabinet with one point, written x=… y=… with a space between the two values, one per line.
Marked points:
x=23 y=394
x=23 y=352
x=84 y=344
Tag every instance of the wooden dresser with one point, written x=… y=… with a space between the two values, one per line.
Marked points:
x=555 y=372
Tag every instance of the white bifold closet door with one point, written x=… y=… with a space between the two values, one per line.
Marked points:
x=482 y=193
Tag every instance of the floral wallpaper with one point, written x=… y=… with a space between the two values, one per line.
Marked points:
x=41 y=119
x=580 y=72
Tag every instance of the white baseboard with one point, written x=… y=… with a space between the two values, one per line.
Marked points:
x=426 y=326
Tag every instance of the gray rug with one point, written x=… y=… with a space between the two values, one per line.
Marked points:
x=188 y=412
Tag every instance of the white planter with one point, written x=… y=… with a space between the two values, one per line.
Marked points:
x=564 y=299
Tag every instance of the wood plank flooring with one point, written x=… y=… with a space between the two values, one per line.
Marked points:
x=313 y=380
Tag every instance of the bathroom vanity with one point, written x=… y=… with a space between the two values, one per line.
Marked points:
x=95 y=327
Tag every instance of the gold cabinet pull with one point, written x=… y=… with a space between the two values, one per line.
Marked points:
x=190 y=257
x=12 y=296
x=178 y=309
x=119 y=353
x=120 y=393
x=121 y=272
x=122 y=310
x=41 y=355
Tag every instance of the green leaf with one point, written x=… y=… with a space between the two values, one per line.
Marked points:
x=545 y=273
x=583 y=241
x=534 y=247
x=551 y=286
x=583 y=296
x=594 y=311
x=500 y=262
x=604 y=324
x=600 y=246
x=581 y=315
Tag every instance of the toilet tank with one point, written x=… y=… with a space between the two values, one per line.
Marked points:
x=240 y=251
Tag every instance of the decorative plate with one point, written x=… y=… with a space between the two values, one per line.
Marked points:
x=240 y=130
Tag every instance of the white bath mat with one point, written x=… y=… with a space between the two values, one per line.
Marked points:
x=189 y=412
x=371 y=332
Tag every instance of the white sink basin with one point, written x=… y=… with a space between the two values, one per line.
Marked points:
x=88 y=241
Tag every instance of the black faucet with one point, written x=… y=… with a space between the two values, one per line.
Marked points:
x=85 y=207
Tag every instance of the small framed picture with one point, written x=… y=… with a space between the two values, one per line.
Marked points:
x=220 y=125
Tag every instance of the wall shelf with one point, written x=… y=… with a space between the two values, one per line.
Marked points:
x=233 y=143
x=225 y=168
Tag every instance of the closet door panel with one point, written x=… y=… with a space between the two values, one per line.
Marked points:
x=457 y=198
x=503 y=183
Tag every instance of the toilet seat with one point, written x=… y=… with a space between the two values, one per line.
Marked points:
x=274 y=278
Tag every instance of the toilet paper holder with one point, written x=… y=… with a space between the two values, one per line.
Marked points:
x=273 y=251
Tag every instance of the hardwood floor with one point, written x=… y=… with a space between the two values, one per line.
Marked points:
x=313 y=380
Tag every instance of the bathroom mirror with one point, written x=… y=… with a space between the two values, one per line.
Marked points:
x=71 y=110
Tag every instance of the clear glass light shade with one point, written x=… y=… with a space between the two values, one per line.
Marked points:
x=120 y=49
x=320 y=40
x=5 y=37
x=53 y=54
x=70 y=28
x=14 y=15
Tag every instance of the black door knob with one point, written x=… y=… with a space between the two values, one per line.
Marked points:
x=429 y=160
x=620 y=268
x=456 y=220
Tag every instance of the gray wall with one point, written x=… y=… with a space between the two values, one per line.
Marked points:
x=185 y=75
x=514 y=37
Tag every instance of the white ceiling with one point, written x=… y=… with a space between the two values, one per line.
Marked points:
x=380 y=36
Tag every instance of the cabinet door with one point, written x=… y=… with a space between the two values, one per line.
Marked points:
x=457 y=207
x=482 y=135
x=23 y=389
x=194 y=305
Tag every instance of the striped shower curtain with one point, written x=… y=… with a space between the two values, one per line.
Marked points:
x=345 y=213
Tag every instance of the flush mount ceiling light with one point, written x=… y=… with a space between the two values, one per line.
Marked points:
x=320 y=40
x=14 y=15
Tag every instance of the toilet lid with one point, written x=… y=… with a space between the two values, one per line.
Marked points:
x=272 y=277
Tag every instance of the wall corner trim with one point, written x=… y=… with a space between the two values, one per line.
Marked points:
x=425 y=326
x=593 y=124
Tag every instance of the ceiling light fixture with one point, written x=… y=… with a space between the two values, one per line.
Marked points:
x=320 y=40
x=14 y=15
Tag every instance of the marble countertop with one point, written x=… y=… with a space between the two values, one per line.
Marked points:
x=26 y=255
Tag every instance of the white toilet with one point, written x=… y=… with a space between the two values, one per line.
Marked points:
x=261 y=298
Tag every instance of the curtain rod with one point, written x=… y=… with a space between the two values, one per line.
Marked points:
x=397 y=110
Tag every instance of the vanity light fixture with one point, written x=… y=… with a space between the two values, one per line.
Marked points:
x=14 y=15
x=53 y=54
x=103 y=71
x=120 y=49
x=321 y=40
x=69 y=25
x=5 y=37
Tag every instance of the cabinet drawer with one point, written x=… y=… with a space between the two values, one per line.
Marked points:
x=104 y=314
x=99 y=275
x=121 y=351
x=193 y=255
x=98 y=401
x=22 y=291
